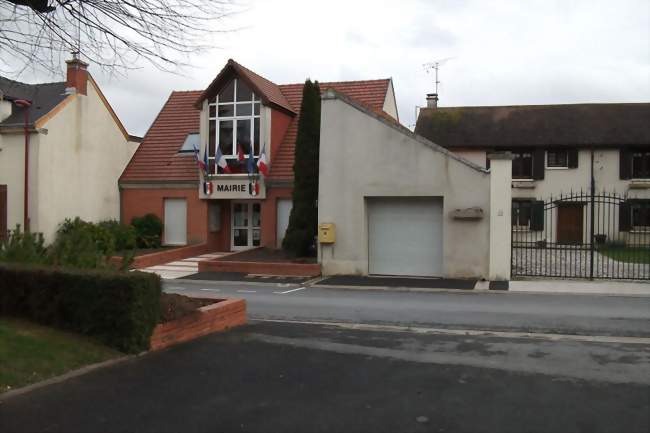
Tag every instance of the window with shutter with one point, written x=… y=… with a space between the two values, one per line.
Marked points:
x=640 y=215
x=538 y=164
x=537 y=216
x=573 y=158
x=625 y=164
x=624 y=217
x=522 y=165
x=557 y=159
x=528 y=214
x=640 y=164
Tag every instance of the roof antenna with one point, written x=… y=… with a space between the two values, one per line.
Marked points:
x=432 y=98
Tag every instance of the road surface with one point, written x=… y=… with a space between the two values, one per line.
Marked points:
x=498 y=311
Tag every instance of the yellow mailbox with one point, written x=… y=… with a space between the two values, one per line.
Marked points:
x=326 y=233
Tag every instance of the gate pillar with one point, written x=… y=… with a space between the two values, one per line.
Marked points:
x=500 y=215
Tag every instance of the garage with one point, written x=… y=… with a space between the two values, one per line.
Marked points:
x=175 y=221
x=405 y=236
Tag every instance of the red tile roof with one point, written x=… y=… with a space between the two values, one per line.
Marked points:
x=268 y=91
x=371 y=93
x=157 y=159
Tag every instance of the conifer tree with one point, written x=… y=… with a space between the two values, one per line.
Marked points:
x=301 y=232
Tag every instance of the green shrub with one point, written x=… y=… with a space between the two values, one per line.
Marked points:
x=148 y=231
x=23 y=247
x=120 y=309
x=123 y=235
x=80 y=244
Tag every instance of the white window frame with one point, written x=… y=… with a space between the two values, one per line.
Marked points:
x=634 y=228
x=532 y=167
x=250 y=227
x=517 y=227
x=633 y=178
x=216 y=104
x=552 y=167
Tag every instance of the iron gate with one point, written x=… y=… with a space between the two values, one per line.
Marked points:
x=581 y=235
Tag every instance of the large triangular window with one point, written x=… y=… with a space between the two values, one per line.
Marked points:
x=234 y=125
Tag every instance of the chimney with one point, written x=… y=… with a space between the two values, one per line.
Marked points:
x=432 y=100
x=77 y=76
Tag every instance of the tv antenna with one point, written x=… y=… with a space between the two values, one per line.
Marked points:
x=435 y=65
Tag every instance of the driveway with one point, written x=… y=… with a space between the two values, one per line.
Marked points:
x=272 y=377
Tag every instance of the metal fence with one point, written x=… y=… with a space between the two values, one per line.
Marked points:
x=582 y=235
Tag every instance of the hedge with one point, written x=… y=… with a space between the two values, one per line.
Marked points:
x=119 y=309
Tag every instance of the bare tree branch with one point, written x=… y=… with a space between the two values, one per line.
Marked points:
x=113 y=34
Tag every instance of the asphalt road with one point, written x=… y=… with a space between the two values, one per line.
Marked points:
x=496 y=311
x=278 y=377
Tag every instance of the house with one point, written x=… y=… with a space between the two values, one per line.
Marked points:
x=239 y=113
x=62 y=149
x=399 y=204
x=558 y=151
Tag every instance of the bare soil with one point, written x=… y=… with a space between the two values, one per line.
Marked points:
x=267 y=255
x=173 y=306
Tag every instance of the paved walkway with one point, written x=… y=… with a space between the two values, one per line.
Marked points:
x=181 y=268
x=603 y=287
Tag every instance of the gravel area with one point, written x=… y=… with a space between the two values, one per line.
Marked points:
x=573 y=263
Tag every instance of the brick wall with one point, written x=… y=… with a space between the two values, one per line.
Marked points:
x=206 y=320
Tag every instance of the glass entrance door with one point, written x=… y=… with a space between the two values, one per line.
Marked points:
x=246 y=231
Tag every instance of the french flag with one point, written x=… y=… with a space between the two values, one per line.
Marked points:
x=240 y=153
x=202 y=165
x=221 y=161
x=262 y=163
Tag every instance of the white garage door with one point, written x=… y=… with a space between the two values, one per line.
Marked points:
x=284 y=210
x=175 y=221
x=405 y=236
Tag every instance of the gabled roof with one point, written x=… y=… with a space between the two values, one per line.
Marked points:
x=44 y=97
x=268 y=91
x=601 y=125
x=157 y=159
x=370 y=93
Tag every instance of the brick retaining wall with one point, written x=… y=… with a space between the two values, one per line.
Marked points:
x=262 y=268
x=220 y=316
x=165 y=256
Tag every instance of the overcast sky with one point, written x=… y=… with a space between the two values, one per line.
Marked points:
x=504 y=52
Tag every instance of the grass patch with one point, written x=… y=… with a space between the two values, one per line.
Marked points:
x=30 y=353
x=627 y=254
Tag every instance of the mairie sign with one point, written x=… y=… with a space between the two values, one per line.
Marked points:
x=237 y=188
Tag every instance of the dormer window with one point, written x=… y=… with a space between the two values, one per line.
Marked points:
x=234 y=124
x=192 y=141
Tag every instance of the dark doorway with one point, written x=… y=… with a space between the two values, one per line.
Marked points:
x=3 y=211
x=569 y=223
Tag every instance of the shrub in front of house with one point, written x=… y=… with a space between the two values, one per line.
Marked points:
x=119 y=309
x=124 y=236
x=81 y=244
x=148 y=231
x=23 y=247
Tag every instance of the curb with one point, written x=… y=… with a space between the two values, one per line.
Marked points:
x=65 y=376
x=224 y=282
x=397 y=289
